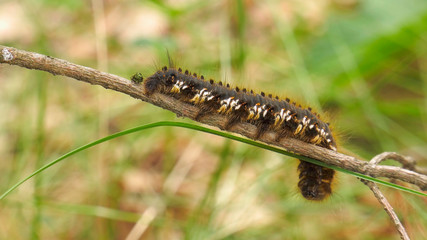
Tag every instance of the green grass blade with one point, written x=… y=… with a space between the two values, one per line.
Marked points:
x=211 y=131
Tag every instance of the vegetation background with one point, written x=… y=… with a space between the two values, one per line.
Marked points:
x=362 y=62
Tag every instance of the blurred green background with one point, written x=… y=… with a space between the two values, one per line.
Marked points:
x=361 y=64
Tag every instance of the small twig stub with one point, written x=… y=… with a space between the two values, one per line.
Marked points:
x=6 y=54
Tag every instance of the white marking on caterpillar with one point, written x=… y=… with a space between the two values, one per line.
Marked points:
x=305 y=121
x=225 y=104
x=178 y=87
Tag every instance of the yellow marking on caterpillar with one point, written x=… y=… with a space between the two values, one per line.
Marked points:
x=277 y=120
x=298 y=130
x=316 y=140
x=175 y=89
x=195 y=99
x=222 y=109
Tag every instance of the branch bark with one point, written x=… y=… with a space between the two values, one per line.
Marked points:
x=57 y=66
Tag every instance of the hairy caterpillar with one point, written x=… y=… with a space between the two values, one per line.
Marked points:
x=266 y=112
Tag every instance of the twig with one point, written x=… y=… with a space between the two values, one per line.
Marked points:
x=406 y=163
x=56 y=66
x=387 y=207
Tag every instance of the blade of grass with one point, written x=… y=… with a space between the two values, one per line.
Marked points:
x=97 y=211
x=211 y=131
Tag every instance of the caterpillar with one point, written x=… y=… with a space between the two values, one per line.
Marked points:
x=266 y=112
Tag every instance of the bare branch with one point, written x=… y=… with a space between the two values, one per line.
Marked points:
x=407 y=163
x=56 y=66
x=388 y=208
